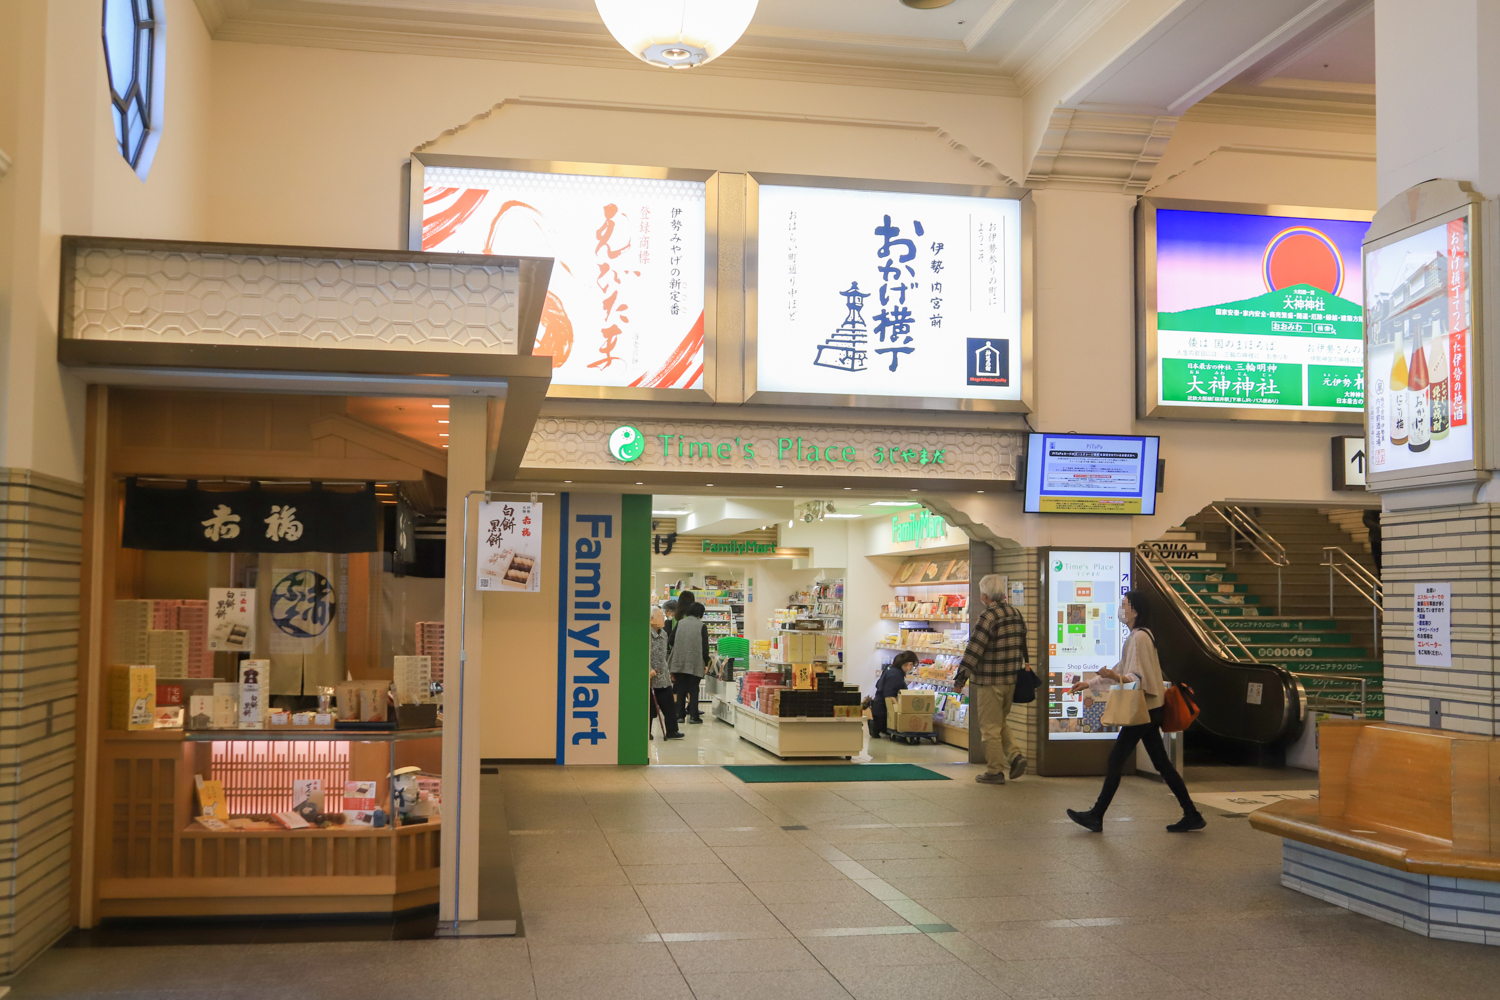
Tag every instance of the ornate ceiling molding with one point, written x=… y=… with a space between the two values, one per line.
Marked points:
x=1354 y=114
x=1101 y=150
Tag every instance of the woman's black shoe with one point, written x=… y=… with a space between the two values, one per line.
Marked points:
x=1188 y=824
x=1087 y=820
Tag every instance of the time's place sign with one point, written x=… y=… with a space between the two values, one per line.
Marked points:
x=564 y=444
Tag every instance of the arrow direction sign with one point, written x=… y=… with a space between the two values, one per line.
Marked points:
x=1349 y=460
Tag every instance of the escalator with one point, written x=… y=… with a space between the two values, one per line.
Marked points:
x=1239 y=699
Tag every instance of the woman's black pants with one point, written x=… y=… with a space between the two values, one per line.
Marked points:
x=1122 y=751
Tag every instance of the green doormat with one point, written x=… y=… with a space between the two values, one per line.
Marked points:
x=768 y=773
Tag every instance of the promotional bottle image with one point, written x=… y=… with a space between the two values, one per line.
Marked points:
x=1398 y=393
x=1437 y=372
x=1421 y=398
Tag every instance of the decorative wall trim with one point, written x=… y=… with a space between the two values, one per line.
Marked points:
x=1101 y=150
x=1270 y=111
x=1254 y=150
x=624 y=107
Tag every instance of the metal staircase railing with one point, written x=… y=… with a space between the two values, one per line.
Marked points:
x=1240 y=522
x=1220 y=637
x=1326 y=696
x=1366 y=584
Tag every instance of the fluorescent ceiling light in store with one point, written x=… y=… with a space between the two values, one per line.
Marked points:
x=669 y=513
x=892 y=503
x=842 y=515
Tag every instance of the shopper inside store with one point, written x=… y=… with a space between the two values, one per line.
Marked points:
x=734 y=498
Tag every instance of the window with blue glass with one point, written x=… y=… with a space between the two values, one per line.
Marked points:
x=132 y=55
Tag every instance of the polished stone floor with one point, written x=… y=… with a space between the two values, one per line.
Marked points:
x=668 y=883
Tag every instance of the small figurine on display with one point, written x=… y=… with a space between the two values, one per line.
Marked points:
x=404 y=790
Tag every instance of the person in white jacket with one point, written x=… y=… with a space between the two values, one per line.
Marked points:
x=1138 y=665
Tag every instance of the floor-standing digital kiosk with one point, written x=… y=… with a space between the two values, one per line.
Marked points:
x=1081 y=632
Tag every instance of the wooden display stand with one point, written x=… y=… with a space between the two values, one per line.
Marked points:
x=802 y=736
x=954 y=736
x=154 y=861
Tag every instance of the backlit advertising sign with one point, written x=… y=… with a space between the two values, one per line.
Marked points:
x=1250 y=312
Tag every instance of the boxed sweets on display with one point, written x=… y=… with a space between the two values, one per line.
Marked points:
x=934 y=607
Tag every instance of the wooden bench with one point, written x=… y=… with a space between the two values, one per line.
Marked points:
x=1417 y=800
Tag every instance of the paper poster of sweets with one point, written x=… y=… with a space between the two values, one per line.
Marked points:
x=509 y=555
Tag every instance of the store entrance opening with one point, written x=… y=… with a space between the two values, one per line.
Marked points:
x=802 y=603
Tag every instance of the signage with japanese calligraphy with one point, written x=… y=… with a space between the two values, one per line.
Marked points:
x=254 y=520
x=624 y=307
x=231 y=619
x=1254 y=314
x=510 y=546
x=1432 y=612
x=888 y=294
x=1421 y=367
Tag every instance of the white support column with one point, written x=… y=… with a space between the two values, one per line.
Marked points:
x=459 y=900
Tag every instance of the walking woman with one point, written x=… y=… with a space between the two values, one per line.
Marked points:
x=1138 y=663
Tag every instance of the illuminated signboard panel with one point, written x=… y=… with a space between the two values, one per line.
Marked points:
x=1090 y=474
x=625 y=314
x=1419 y=301
x=1250 y=313
x=915 y=296
x=1083 y=632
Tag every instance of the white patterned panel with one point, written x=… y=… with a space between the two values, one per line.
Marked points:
x=578 y=443
x=196 y=298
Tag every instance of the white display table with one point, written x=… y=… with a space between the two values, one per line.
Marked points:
x=800 y=737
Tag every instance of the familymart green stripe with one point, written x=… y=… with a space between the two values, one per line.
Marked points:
x=635 y=624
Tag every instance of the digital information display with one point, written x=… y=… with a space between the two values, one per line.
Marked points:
x=1257 y=311
x=1420 y=351
x=624 y=305
x=885 y=293
x=1084 y=633
x=1090 y=474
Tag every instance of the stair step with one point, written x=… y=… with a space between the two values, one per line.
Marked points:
x=1207 y=576
x=1335 y=666
x=1186 y=545
x=1292 y=638
x=1233 y=611
x=1273 y=623
x=1211 y=588
x=1300 y=652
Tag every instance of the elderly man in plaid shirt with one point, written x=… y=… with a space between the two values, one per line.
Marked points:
x=996 y=654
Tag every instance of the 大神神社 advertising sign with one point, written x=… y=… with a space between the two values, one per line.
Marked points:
x=254 y=520
x=1256 y=311
x=624 y=306
x=887 y=293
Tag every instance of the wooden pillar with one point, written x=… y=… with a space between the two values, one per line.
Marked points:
x=459 y=897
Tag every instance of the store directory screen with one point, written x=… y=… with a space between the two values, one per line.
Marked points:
x=1090 y=474
x=1084 y=633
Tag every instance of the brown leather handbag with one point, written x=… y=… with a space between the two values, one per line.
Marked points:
x=1179 y=708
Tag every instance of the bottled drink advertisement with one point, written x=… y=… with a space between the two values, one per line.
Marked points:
x=1417 y=304
x=1259 y=311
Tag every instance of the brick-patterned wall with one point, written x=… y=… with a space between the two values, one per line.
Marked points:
x=1457 y=545
x=41 y=525
x=1020 y=566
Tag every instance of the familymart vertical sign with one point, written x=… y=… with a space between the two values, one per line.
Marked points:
x=603 y=600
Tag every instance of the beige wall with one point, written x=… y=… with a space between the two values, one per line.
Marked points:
x=66 y=177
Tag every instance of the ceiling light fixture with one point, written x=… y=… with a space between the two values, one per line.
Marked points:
x=927 y=4
x=441 y=406
x=676 y=34
x=891 y=503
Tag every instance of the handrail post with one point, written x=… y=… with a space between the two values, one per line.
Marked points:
x=1330 y=585
x=1280 y=604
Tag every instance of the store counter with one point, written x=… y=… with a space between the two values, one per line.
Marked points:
x=801 y=736
x=155 y=859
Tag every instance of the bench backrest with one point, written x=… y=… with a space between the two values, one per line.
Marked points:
x=1425 y=782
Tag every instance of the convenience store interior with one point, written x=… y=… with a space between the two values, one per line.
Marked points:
x=760 y=564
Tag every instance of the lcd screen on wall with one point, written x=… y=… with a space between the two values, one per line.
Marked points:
x=881 y=295
x=1083 y=632
x=1418 y=300
x=1250 y=314
x=625 y=305
x=1090 y=474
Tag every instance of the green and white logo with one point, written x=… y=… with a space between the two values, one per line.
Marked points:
x=627 y=443
x=1057 y=565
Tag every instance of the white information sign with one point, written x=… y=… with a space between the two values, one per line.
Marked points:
x=1083 y=632
x=231 y=619
x=624 y=306
x=1420 y=351
x=1355 y=460
x=509 y=553
x=883 y=293
x=1432 y=610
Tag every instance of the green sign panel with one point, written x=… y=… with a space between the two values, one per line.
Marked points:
x=1236 y=383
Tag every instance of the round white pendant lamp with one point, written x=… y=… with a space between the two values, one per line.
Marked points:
x=676 y=34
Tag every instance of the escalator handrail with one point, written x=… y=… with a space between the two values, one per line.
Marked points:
x=1214 y=642
x=1240 y=520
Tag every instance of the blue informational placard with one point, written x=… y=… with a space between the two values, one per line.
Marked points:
x=1091 y=474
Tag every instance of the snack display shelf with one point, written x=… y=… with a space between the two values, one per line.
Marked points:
x=936 y=651
x=800 y=736
x=919 y=618
x=342 y=735
x=951 y=733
